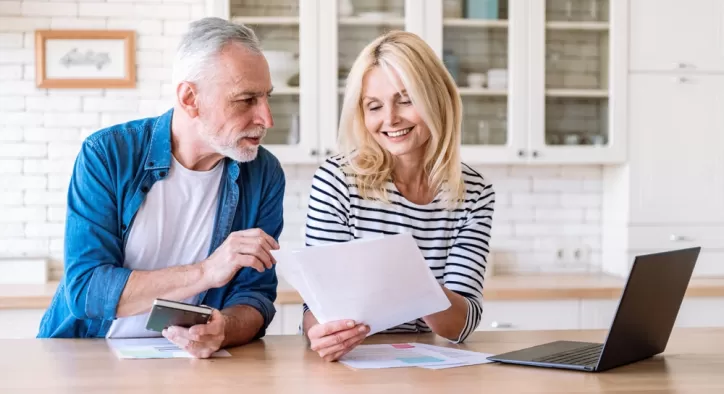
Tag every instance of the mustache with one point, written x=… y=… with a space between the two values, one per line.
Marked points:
x=255 y=132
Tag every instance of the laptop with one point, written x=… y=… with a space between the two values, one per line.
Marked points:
x=642 y=325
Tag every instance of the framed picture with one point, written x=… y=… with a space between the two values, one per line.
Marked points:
x=85 y=59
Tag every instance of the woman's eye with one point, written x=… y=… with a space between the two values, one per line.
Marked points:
x=374 y=108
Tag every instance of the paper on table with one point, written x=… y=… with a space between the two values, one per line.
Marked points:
x=462 y=357
x=392 y=356
x=144 y=348
x=382 y=282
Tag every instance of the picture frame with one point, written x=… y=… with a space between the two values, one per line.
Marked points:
x=85 y=59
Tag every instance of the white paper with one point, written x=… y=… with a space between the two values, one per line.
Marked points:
x=382 y=282
x=393 y=356
x=145 y=348
x=461 y=357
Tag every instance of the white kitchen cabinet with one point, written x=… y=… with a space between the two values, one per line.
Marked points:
x=561 y=98
x=694 y=312
x=20 y=323
x=286 y=321
x=529 y=315
x=668 y=35
x=677 y=173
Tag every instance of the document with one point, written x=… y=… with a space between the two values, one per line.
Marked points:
x=382 y=282
x=145 y=348
x=393 y=356
x=461 y=357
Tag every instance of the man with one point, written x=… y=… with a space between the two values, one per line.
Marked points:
x=150 y=200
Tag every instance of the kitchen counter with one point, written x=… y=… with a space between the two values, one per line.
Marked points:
x=498 y=288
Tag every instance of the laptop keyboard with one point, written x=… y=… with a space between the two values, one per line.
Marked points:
x=585 y=355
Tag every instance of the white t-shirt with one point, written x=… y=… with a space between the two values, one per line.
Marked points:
x=172 y=227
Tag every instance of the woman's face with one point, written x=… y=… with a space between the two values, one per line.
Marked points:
x=390 y=116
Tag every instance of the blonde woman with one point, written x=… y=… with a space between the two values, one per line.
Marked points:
x=399 y=170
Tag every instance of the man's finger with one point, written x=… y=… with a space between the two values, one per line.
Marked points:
x=257 y=251
x=257 y=232
x=178 y=335
x=322 y=330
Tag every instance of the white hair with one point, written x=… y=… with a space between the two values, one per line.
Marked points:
x=204 y=41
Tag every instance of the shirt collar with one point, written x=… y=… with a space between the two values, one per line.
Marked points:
x=160 y=152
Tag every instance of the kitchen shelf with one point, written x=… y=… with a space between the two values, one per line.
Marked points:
x=587 y=26
x=362 y=21
x=467 y=91
x=285 y=90
x=463 y=22
x=577 y=93
x=266 y=20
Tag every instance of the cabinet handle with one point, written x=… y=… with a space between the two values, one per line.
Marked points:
x=682 y=80
x=497 y=324
x=521 y=153
x=680 y=65
x=535 y=153
x=328 y=152
x=313 y=152
x=678 y=238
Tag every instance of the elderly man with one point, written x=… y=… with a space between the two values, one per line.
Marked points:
x=186 y=206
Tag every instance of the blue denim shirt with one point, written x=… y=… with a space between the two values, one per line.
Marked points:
x=114 y=170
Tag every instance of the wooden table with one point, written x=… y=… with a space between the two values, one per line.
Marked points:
x=692 y=363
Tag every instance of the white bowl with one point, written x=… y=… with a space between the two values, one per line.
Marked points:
x=282 y=66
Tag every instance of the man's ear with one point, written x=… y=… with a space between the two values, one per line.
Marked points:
x=188 y=98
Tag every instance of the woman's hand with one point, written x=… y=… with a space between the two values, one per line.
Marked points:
x=335 y=339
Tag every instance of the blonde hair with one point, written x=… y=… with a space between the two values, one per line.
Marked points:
x=433 y=94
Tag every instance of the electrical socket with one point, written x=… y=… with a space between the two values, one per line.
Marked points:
x=573 y=253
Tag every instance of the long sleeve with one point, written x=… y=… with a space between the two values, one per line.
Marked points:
x=465 y=267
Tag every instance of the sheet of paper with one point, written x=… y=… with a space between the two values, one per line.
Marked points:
x=393 y=356
x=144 y=348
x=461 y=357
x=382 y=282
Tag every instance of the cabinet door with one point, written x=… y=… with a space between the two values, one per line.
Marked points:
x=530 y=315
x=20 y=323
x=288 y=34
x=598 y=314
x=483 y=47
x=577 y=59
x=701 y=312
x=346 y=27
x=668 y=35
x=677 y=165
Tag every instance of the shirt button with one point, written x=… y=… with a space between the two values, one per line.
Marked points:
x=123 y=227
x=162 y=174
x=150 y=163
x=144 y=189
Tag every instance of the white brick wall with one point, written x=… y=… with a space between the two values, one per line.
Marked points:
x=539 y=209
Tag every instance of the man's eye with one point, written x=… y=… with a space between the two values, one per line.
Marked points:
x=249 y=101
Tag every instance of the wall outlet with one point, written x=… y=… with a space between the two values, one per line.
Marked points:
x=573 y=253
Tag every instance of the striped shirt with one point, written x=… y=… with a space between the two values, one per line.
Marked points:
x=455 y=243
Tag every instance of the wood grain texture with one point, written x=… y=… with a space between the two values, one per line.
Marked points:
x=692 y=363
x=500 y=288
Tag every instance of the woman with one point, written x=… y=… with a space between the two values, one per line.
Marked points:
x=399 y=171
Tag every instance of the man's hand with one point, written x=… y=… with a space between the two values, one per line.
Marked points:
x=201 y=340
x=335 y=339
x=246 y=248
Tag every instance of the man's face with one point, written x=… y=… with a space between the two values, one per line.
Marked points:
x=233 y=104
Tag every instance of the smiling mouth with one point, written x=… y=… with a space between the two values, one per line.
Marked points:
x=398 y=133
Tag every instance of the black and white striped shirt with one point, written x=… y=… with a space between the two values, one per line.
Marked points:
x=455 y=243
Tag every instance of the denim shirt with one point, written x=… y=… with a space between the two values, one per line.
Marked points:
x=114 y=170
